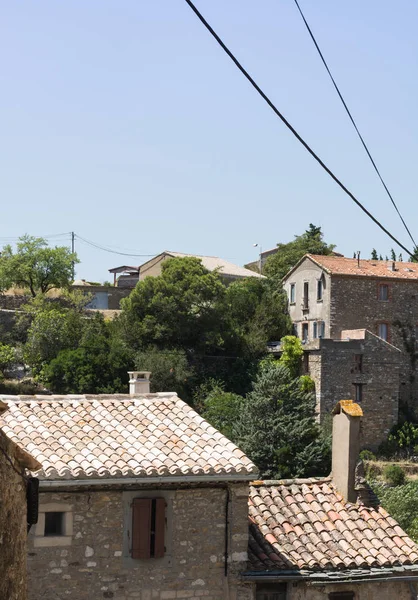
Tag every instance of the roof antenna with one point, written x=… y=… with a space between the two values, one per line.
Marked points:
x=358 y=258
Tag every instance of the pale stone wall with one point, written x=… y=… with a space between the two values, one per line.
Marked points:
x=93 y=566
x=12 y=526
x=362 y=591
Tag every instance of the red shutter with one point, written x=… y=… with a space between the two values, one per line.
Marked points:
x=159 y=527
x=141 y=528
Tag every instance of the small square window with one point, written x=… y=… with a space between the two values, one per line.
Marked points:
x=383 y=292
x=54 y=523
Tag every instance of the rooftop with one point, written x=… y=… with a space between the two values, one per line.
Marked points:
x=116 y=436
x=305 y=525
x=382 y=269
x=213 y=263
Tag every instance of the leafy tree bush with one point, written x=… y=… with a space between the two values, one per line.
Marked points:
x=401 y=502
x=7 y=356
x=170 y=370
x=394 y=475
x=277 y=427
x=292 y=352
x=98 y=365
x=367 y=455
x=35 y=266
x=405 y=436
x=222 y=409
x=310 y=242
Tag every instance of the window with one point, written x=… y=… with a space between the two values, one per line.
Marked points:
x=315 y=330
x=319 y=290
x=306 y=295
x=383 y=331
x=292 y=295
x=148 y=528
x=305 y=331
x=295 y=330
x=358 y=363
x=341 y=596
x=321 y=328
x=54 y=526
x=271 y=591
x=358 y=392
x=384 y=292
x=54 y=523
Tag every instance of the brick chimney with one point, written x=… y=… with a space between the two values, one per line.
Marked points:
x=345 y=447
x=139 y=382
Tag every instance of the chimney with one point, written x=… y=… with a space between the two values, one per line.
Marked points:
x=139 y=382
x=346 y=447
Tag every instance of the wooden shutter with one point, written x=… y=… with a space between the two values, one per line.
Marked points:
x=159 y=543
x=141 y=527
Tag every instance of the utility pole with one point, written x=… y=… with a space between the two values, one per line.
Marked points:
x=72 y=250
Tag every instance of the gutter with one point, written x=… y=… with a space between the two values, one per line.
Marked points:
x=320 y=581
x=121 y=481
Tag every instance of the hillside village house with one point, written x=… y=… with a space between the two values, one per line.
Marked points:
x=363 y=315
x=141 y=498
x=14 y=464
x=129 y=276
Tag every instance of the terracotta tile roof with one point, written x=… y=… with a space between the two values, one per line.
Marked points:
x=304 y=524
x=115 y=436
x=336 y=265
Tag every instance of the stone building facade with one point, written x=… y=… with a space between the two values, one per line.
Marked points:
x=206 y=549
x=139 y=498
x=13 y=522
x=329 y=295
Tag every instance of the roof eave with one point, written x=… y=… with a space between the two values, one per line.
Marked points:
x=300 y=261
x=360 y=575
x=122 y=481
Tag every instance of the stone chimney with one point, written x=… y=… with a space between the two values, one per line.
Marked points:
x=139 y=382
x=346 y=447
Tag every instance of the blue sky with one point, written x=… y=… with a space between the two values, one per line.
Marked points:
x=125 y=122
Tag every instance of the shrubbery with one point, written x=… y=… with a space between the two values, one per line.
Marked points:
x=394 y=475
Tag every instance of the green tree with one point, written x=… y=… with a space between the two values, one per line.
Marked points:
x=35 y=266
x=53 y=327
x=170 y=370
x=277 y=427
x=7 y=357
x=401 y=502
x=222 y=409
x=392 y=254
x=99 y=363
x=178 y=309
x=310 y=242
x=374 y=255
x=292 y=352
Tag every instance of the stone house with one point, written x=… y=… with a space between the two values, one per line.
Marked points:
x=152 y=268
x=327 y=538
x=329 y=296
x=14 y=463
x=139 y=498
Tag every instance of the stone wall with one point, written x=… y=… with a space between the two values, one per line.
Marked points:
x=12 y=525
x=332 y=365
x=362 y=591
x=95 y=565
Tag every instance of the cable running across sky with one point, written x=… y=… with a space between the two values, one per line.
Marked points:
x=292 y=129
x=353 y=121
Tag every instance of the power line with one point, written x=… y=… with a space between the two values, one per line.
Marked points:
x=109 y=249
x=292 y=129
x=353 y=121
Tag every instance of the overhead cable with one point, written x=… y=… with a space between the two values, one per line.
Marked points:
x=98 y=246
x=353 y=121
x=291 y=128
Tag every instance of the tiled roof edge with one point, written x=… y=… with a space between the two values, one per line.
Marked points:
x=349 y=575
x=300 y=481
